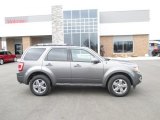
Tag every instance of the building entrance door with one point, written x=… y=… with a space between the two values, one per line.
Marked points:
x=18 y=49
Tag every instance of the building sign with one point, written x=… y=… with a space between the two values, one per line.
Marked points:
x=14 y=20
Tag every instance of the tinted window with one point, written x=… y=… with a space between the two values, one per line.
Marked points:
x=1 y=53
x=123 y=46
x=81 y=56
x=34 y=54
x=57 y=54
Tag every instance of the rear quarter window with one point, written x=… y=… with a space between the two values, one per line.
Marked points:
x=34 y=54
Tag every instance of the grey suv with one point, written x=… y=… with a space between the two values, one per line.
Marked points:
x=44 y=66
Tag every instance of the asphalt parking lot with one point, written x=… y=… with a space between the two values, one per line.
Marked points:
x=80 y=103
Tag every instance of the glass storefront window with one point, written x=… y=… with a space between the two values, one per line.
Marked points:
x=123 y=46
x=75 y=14
x=84 y=13
x=67 y=14
x=93 y=13
x=76 y=39
x=85 y=39
x=94 y=41
x=82 y=28
x=67 y=39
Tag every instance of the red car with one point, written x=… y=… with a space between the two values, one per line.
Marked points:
x=6 y=56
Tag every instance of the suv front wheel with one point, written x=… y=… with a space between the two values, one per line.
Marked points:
x=40 y=85
x=119 y=85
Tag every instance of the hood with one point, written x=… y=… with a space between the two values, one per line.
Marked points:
x=124 y=62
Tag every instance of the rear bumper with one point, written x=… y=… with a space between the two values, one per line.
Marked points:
x=20 y=78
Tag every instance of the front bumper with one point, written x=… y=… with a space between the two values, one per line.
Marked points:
x=137 y=79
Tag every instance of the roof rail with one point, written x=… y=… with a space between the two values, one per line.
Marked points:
x=51 y=44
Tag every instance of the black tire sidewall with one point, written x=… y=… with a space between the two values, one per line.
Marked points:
x=154 y=53
x=46 y=80
x=110 y=83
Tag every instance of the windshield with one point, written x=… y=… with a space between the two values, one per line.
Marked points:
x=96 y=54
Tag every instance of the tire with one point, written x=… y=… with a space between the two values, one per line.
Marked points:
x=40 y=85
x=154 y=53
x=119 y=85
x=1 y=61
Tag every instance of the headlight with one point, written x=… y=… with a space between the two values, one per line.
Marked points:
x=136 y=68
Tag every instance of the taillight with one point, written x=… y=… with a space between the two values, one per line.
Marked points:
x=20 y=66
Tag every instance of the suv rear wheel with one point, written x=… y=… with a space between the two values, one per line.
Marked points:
x=119 y=85
x=40 y=85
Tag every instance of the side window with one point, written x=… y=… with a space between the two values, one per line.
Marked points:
x=34 y=54
x=81 y=56
x=9 y=53
x=5 y=53
x=57 y=54
x=2 y=53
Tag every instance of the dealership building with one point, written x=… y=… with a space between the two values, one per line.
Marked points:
x=121 y=33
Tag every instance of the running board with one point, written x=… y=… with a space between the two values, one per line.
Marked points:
x=79 y=84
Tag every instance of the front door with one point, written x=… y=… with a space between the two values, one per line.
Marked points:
x=83 y=70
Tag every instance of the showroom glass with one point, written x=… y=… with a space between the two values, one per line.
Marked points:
x=57 y=54
x=81 y=56
x=81 y=28
x=123 y=46
x=34 y=54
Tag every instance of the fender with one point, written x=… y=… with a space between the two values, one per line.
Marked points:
x=115 y=70
x=39 y=69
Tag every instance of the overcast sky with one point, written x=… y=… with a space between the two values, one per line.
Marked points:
x=9 y=7
x=36 y=7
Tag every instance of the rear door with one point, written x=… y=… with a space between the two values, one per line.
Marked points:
x=10 y=56
x=58 y=62
x=6 y=58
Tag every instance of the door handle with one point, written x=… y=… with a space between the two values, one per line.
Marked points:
x=49 y=64
x=77 y=65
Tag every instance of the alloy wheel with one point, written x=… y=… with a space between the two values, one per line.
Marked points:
x=39 y=86
x=119 y=86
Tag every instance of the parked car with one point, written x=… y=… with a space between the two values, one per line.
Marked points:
x=154 y=48
x=45 y=66
x=7 y=56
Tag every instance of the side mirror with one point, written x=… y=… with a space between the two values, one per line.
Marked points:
x=95 y=60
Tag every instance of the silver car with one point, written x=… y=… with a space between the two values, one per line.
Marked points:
x=45 y=66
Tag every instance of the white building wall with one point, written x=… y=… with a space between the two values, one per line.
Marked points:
x=26 y=29
x=129 y=28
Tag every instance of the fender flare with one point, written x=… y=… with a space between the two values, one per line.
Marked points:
x=112 y=72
